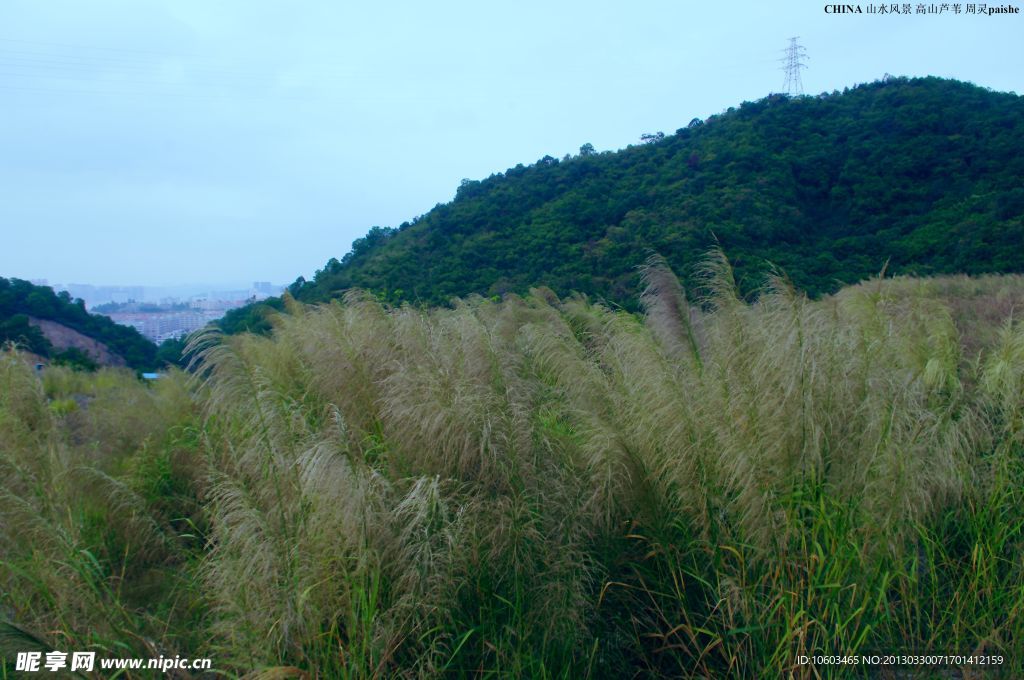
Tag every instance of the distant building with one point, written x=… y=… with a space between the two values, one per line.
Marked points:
x=173 y=322
x=264 y=289
x=98 y=295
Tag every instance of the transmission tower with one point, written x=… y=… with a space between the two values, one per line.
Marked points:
x=791 y=64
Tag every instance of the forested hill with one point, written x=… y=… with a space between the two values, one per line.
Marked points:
x=925 y=173
x=23 y=304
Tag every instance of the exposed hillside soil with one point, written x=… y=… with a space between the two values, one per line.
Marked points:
x=63 y=337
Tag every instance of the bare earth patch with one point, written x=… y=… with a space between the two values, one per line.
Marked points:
x=63 y=337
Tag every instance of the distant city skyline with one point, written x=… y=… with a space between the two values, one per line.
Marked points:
x=148 y=142
x=93 y=294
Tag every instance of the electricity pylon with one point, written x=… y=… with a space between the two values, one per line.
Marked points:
x=791 y=64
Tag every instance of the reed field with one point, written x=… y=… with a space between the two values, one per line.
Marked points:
x=538 y=487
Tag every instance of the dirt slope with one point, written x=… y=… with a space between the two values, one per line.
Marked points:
x=63 y=337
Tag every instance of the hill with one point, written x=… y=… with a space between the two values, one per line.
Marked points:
x=53 y=325
x=923 y=173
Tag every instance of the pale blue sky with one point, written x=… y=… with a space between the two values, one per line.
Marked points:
x=153 y=143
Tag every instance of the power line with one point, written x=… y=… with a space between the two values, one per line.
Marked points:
x=72 y=56
x=150 y=93
x=92 y=62
x=119 y=80
x=36 y=61
x=96 y=47
x=43 y=61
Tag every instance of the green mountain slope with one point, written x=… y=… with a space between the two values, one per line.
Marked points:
x=924 y=173
x=22 y=304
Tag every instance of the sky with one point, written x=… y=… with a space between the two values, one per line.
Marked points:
x=187 y=141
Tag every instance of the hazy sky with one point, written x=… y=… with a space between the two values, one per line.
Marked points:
x=226 y=141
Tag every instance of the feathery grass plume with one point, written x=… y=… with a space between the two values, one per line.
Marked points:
x=718 y=280
x=71 y=559
x=539 y=487
x=456 y=398
x=147 y=540
x=253 y=494
x=470 y=406
x=29 y=456
x=667 y=311
x=978 y=304
x=557 y=357
x=1003 y=379
x=920 y=355
x=296 y=517
x=347 y=351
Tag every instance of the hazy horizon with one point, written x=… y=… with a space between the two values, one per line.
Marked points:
x=181 y=288
x=155 y=144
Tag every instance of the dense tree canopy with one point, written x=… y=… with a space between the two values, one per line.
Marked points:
x=922 y=173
